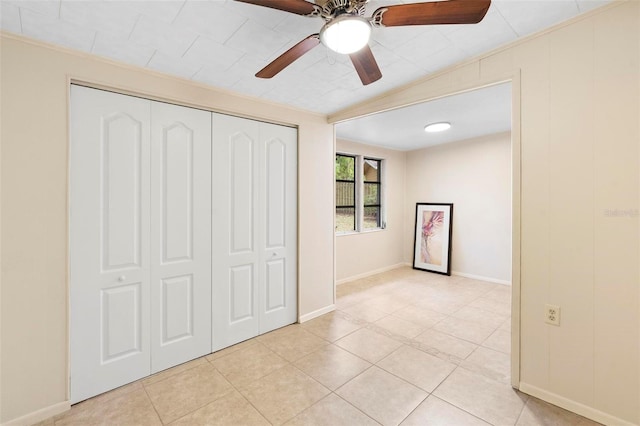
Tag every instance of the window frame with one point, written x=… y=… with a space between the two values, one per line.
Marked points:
x=355 y=192
x=378 y=183
x=359 y=193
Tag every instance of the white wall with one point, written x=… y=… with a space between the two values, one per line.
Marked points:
x=474 y=175
x=361 y=253
x=577 y=147
x=34 y=299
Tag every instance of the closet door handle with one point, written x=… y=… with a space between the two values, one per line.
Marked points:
x=121 y=278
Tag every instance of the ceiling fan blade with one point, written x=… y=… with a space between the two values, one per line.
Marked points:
x=366 y=65
x=288 y=57
x=299 y=7
x=433 y=13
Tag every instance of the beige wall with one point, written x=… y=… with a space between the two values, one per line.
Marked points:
x=361 y=253
x=34 y=140
x=474 y=175
x=577 y=94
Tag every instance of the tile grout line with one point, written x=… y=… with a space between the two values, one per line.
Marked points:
x=151 y=402
x=522 y=411
x=178 y=373
x=451 y=402
x=238 y=389
x=350 y=380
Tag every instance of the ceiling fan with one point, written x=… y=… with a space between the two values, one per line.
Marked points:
x=347 y=31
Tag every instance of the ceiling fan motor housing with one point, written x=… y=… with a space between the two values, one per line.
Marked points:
x=333 y=8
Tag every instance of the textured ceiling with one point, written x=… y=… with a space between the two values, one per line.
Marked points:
x=471 y=114
x=224 y=43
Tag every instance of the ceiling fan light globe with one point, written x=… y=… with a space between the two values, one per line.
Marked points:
x=346 y=34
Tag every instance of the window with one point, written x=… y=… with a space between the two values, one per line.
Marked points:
x=345 y=193
x=371 y=178
x=358 y=193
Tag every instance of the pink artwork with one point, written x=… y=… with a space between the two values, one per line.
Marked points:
x=433 y=237
x=431 y=244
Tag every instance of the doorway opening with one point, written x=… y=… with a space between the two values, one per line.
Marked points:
x=475 y=166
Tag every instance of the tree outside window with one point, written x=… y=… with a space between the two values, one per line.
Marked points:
x=358 y=193
x=372 y=184
x=345 y=193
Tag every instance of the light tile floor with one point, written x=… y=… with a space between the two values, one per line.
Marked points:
x=404 y=347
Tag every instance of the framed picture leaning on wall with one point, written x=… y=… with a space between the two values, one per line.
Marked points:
x=432 y=242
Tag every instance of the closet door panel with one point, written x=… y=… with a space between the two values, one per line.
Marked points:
x=121 y=182
x=177 y=191
x=180 y=234
x=235 y=230
x=241 y=193
x=278 y=242
x=109 y=224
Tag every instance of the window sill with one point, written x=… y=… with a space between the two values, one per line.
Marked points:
x=366 y=231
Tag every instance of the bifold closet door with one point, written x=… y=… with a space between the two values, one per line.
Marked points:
x=140 y=238
x=180 y=234
x=278 y=239
x=254 y=228
x=109 y=235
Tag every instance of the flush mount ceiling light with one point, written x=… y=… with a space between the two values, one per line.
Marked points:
x=437 y=127
x=346 y=34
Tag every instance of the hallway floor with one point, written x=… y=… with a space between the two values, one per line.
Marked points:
x=403 y=347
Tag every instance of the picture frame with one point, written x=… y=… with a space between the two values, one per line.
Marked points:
x=432 y=238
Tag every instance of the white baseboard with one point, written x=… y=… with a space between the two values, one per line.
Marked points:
x=316 y=313
x=480 y=278
x=40 y=415
x=571 y=405
x=369 y=273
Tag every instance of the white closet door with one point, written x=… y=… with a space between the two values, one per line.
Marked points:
x=254 y=228
x=180 y=234
x=109 y=234
x=236 y=223
x=278 y=211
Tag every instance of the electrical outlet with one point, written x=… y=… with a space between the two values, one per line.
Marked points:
x=552 y=314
